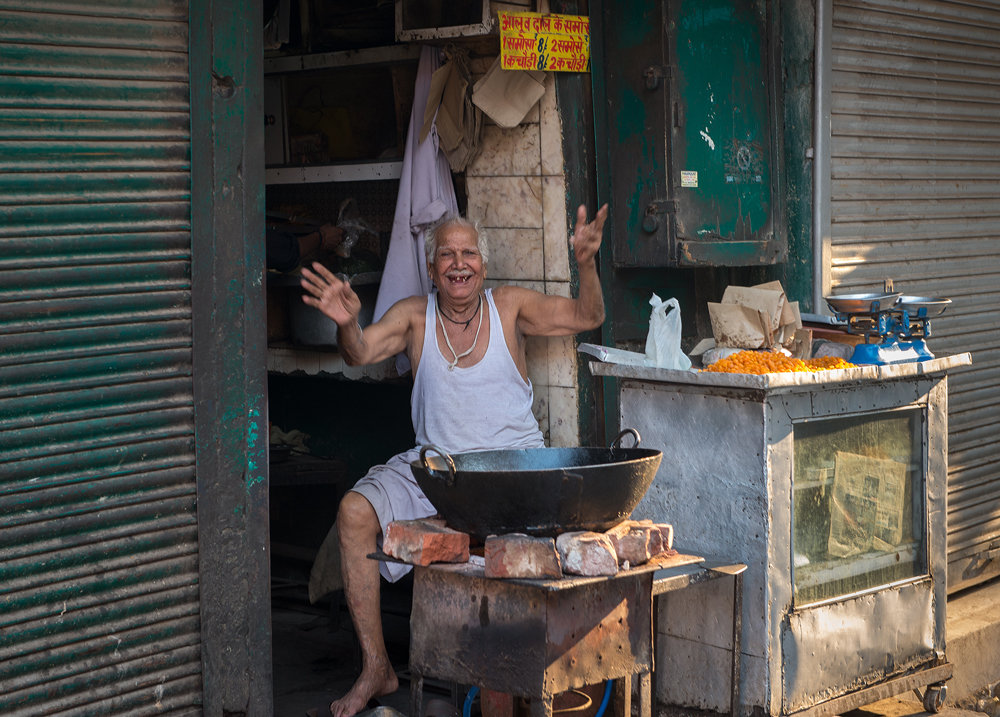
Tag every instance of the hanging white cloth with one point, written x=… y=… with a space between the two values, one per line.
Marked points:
x=426 y=194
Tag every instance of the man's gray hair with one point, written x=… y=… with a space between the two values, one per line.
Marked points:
x=431 y=240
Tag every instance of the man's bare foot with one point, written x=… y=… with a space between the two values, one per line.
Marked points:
x=374 y=681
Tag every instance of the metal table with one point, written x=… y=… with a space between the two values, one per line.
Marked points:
x=538 y=638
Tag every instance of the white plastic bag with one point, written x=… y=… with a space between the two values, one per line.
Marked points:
x=663 y=342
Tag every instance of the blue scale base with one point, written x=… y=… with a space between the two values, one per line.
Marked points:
x=890 y=352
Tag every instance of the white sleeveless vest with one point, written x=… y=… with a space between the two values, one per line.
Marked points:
x=481 y=407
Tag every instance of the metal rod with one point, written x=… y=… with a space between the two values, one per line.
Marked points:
x=416 y=694
x=734 y=694
x=822 y=77
x=645 y=695
x=623 y=696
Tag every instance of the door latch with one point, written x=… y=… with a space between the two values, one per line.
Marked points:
x=655 y=73
x=651 y=218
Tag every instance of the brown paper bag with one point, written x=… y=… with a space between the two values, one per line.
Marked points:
x=770 y=303
x=789 y=315
x=737 y=326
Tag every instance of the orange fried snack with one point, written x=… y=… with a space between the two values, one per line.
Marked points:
x=761 y=362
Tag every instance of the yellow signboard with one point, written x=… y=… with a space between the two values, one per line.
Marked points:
x=532 y=41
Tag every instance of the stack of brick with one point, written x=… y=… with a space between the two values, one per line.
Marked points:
x=516 y=555
x=628 y=544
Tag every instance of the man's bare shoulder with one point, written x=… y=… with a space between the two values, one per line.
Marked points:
x=410 y=306
x=506 y=298
x=415 y=302
x=511 y=294
x=517 y=298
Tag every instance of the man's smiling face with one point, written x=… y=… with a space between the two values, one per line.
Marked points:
x=458 y=270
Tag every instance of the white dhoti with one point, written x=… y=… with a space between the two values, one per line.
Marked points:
x=394 y=494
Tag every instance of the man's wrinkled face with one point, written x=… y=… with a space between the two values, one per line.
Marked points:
x=457 y=269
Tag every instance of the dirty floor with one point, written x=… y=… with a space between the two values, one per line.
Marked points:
x=315 y=654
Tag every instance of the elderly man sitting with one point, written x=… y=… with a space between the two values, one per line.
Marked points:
x=466 y=347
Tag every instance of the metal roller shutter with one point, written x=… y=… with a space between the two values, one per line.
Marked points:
x=99 y=610
x=915 y=176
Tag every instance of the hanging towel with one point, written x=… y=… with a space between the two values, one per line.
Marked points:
x=426 y=195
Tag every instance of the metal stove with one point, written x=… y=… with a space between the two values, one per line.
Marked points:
x=537 y=638
x=895 y=326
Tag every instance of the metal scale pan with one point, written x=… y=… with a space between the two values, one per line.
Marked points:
x=862 y=303
x=922 y=306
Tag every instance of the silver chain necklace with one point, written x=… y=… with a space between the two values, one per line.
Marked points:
x=453 y=364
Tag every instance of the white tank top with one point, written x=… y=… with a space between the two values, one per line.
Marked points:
x=480 y=407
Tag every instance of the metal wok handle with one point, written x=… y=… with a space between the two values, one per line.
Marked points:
x=451 y=464
x=617 y=442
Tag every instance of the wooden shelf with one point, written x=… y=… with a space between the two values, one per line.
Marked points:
x=357 y=172
x=314 y=361
x=344 y=58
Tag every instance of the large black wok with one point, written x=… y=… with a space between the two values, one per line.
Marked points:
x=539 y=491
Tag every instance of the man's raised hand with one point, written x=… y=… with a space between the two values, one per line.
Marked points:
x=587 y=236
x=334 y=297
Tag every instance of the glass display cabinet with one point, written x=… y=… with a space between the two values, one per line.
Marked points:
x=831 y=487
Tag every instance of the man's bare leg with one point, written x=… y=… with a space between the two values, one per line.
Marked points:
x=358 y=528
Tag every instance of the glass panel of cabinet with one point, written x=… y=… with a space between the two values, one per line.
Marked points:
x=858 y=516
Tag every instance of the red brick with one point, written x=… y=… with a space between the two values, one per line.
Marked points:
x=587 y=553
x=422 y=542
x=516 y=555
x=634 y=542
x=667 y=534
x=666 y=531
x=639 y=540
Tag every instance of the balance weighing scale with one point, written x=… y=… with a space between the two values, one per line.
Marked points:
x=894 y=325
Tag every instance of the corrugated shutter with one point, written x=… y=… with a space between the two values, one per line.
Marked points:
x=98 y=535
x=916 y=198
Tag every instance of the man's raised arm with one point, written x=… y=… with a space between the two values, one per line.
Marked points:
x=338 y=301
x=543 y=315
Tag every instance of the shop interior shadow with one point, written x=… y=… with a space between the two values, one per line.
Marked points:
x=349 y=426
x=315 y=652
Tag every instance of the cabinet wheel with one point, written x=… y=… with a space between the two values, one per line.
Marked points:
x=934 y=697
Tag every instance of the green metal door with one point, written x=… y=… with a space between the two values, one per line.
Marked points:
x=689 y=128
x=99 y=588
